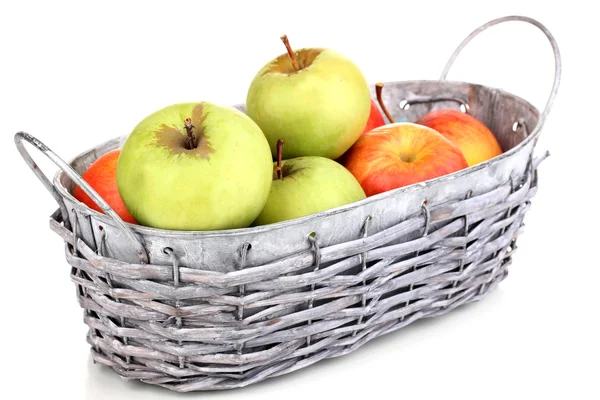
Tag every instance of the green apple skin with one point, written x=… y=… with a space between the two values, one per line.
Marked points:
x=309 y=185
x=320 y=110
x=222 y=184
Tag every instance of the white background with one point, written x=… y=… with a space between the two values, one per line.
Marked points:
x=75 y=75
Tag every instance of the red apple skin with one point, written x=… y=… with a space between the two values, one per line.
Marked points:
x=375 y=121
x=401 y=154
x=471 y=136
x=375 y=118
x=102 y=177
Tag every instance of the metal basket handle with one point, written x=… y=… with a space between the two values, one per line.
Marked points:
x=557 y=59
x=71 y=173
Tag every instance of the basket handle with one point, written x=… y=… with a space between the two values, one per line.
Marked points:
x=71 y=173
x=557 y=59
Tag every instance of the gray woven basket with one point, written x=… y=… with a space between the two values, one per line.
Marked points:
x=217 y=310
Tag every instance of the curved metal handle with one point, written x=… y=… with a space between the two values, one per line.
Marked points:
x=557 y=59
x=71 y=173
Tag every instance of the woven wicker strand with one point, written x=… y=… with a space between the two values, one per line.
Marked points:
x=188 y=329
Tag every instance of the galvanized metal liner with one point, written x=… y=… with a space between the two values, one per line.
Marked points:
x=216 y=250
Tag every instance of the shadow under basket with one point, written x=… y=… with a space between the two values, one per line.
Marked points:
x=195 y=311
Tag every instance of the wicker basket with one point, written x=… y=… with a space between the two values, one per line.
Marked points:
x=217 y=310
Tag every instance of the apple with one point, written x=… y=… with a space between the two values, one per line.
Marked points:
x=315 y=99
x=101 y=175
x=470 y=135
x=375 y=120
x=307 y=185
x=378 y=94
x=195 y=166
x=401 y=154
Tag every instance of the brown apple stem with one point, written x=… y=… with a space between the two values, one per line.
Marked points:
x=378 y=89
x=190 y=141
x=278 y=169
x=286 y=42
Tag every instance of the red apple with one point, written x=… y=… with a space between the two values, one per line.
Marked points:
x=470 y=135
x=102 y=177
x=401 y=154
x=375 y=120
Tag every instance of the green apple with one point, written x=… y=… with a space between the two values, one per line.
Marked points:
x=195 y=166
x=316 y=100
x=308 y=185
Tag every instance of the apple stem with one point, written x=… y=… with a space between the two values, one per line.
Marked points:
x=278 y=169
x=378 y=89
x=190 y=141
x=286 y=42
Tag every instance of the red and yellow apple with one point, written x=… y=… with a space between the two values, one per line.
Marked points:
x=375 y=121
x=375 y=118
x=401 y=154
x=102 y=177
x=471 y=136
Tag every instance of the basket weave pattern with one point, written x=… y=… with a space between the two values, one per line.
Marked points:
x=198 y=311
x=190 y=329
